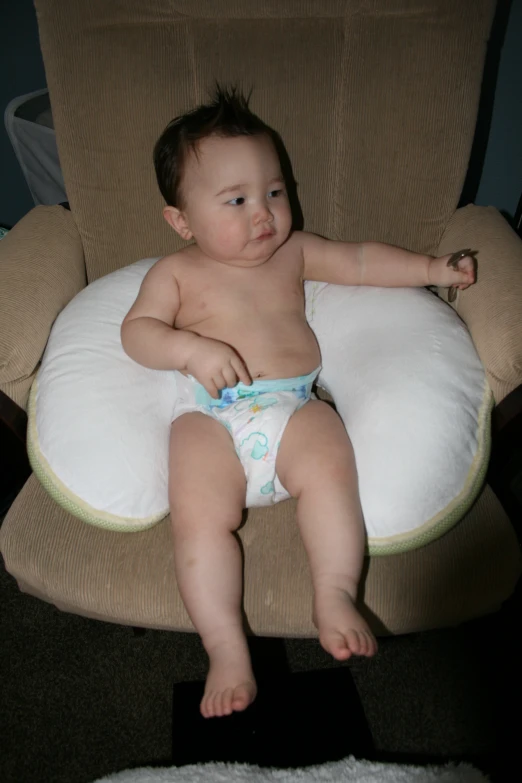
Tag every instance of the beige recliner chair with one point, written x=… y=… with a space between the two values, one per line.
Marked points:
x=376 y=101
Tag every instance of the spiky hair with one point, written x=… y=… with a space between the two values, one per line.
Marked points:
x=227 y=115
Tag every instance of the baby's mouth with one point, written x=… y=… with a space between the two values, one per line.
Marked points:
x=264 y=236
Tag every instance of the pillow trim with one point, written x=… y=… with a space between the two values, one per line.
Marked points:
x=457 y=508
x=67 y=499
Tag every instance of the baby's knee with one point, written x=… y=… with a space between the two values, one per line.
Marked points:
x=190 y=519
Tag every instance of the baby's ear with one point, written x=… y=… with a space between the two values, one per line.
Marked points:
x=177 y=220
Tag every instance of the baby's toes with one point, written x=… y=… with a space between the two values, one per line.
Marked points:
x=226 y=702
x=361 y=642
x=335 y=643
x=372 y=644
x=218 y=711
x=206 y=705
x=242 y=696
x=355 y=641
x=368 y=644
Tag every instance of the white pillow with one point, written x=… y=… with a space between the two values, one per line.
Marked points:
x=399 y=364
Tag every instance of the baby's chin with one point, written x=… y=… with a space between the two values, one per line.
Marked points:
x=245 y=263
x=251 y=256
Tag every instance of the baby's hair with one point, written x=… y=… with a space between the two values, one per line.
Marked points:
x=226 y=116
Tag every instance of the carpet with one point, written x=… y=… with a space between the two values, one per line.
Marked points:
x=348 y=770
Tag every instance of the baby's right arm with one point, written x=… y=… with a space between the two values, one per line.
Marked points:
x=149 y=337
x=147 y=332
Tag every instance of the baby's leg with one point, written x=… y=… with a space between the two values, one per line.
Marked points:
x=207 y=494
x=316 y=465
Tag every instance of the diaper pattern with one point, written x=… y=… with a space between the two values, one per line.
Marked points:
x=256 y=417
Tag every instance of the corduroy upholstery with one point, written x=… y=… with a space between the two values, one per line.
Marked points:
x=42 y=268
x=129 y=578
x=491 y=309
x=376 y=101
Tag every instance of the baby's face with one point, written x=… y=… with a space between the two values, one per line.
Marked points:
x=236 y=205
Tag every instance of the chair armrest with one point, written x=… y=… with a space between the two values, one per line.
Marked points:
x=491 y=309
x=41 y=269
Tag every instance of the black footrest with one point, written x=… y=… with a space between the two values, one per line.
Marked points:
x=296 y=720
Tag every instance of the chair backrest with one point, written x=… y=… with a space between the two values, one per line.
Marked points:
x=376 y=101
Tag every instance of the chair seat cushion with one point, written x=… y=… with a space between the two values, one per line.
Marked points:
x=130 y=579
x=398 y=363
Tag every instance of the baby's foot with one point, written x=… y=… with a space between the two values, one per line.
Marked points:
x=342 y=630
x=230 y=684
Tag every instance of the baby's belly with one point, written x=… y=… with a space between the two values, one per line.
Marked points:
x=278 y=350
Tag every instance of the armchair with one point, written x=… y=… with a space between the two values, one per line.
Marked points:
x=377 y=103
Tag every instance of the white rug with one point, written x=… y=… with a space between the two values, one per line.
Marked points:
x=347 y=771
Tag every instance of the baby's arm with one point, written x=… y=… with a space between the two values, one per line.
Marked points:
x=147 y=332
x=378 y=264
x=149 y=337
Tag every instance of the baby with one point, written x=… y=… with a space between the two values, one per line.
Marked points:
x=227 y=314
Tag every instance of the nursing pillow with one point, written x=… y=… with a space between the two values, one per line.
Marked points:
x=398 y=363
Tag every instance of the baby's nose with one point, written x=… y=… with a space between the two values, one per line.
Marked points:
x=263 y=214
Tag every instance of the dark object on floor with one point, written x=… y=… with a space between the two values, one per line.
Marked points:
x=296 y=720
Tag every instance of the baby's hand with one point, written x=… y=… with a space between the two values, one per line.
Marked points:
x=459 y=272
x=216 y=365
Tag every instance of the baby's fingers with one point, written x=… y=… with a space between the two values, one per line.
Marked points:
x=465 y=266
x=230 y=376
x=467 y=269
x=241 y=370
x=212 y=389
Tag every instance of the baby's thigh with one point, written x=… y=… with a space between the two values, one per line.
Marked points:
x=206 y=478
x=315 y=447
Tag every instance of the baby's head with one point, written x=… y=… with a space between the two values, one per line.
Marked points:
x=220 y=174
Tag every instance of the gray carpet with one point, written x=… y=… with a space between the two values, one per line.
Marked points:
x=80 y=699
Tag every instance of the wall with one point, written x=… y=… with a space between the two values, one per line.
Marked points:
x=497 y=179
x=22 y=71
x=501 y=180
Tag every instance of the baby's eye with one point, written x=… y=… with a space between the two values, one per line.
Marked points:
x=275 y=193
x=236 y=202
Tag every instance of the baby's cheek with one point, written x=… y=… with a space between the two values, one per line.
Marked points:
x=228 y=233
x=284 y=217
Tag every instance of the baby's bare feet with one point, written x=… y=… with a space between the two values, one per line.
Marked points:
x=342 y=630
x=230 y=685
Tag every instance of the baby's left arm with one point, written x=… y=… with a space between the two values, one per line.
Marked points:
x=378 y=264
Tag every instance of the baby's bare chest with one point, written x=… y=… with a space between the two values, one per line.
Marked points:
x=235 y=294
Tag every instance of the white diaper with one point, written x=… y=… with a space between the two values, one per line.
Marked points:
x=256 y=417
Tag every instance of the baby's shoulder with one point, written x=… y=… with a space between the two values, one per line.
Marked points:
x=302 y=238
x=299 y=241
x=174 y=262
